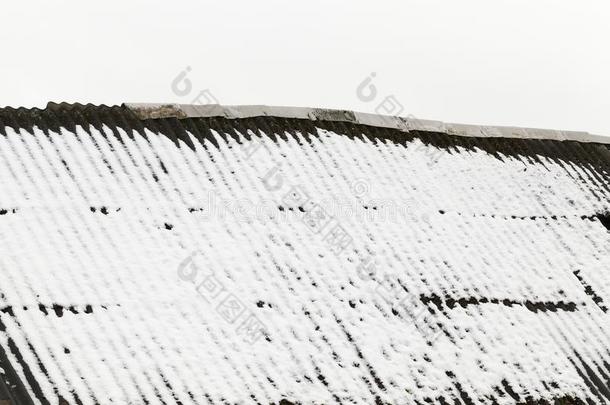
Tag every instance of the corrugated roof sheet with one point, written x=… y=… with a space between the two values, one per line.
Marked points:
x=182 y=258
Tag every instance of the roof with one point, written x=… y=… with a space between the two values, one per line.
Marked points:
x=218 y=255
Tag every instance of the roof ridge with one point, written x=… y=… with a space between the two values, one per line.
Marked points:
x=148 y=111
x=410 y=123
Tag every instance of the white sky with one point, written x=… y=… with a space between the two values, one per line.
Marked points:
x=535 y=63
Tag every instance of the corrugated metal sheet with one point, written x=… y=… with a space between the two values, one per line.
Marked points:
x=221 y=260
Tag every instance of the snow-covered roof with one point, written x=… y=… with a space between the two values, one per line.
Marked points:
x=234 y=255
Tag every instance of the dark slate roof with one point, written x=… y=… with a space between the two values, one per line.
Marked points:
x=168 y=254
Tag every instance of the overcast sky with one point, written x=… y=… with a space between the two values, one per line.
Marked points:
x=535 y=63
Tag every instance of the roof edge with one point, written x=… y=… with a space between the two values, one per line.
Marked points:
x=147 y=111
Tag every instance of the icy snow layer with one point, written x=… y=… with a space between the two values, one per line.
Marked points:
x=113 y=252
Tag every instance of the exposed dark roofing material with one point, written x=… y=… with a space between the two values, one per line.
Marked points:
x=11 y=386
x=174 y=120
